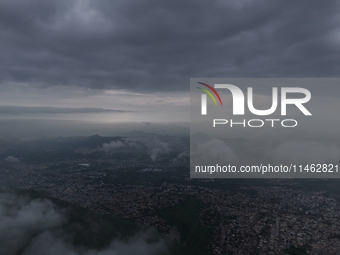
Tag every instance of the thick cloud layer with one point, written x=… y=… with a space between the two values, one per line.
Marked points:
x=49 y=110
x=34 y=227
x=157 y=46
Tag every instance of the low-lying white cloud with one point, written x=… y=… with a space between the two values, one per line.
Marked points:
x=214 y=151
x=155 y=148
x=35 y=227
x=113 y=145
x=12 y=159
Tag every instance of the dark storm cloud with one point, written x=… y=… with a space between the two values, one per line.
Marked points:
x=158 y=45
x=52 y=110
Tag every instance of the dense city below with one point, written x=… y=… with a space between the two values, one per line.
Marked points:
x=147 y=182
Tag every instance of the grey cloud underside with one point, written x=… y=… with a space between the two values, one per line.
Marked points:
x=53 y=110
x=158 y=45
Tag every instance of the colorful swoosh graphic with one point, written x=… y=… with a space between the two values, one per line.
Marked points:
x=209 y=93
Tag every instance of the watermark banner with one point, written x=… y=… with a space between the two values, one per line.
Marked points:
x=264 y=127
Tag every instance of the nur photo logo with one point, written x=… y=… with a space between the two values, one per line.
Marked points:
x=280 y=97
x=204 y=96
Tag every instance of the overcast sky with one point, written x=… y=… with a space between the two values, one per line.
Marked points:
x=131 y=61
